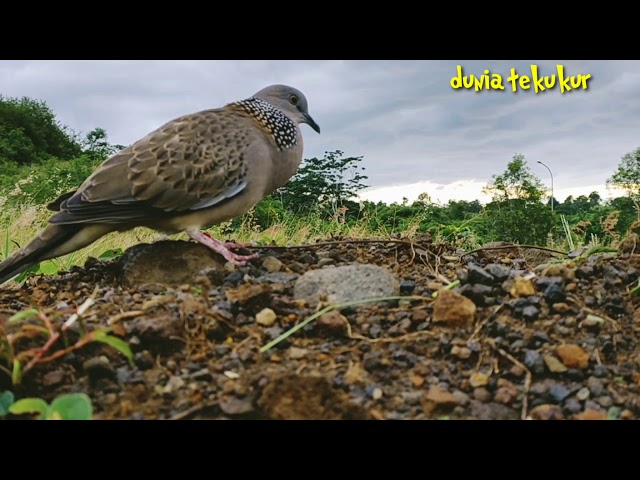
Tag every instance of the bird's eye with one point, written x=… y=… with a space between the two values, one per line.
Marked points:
x=293 y=99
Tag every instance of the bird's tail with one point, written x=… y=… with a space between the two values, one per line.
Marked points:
x=53 y=241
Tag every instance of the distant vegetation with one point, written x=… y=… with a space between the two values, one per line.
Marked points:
x=41 y=159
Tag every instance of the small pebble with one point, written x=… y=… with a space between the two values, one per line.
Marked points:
x=482 y=395
x=478 y=379
x=575 y=374
x=583 y=394
x=600 y=371
x=591 y=405
x=461 y=397
x=174 y=383
x=534 y=362
x=273 y=332
x=407 y=286
x=573 y=406
x=419 y=316
x=323 y=262
x=554 y=293
x=479 y=275
x=297 y=353
x=539 y=389
x=546 y=412
x=99 y=367
x=591 y=414
x=558 y=392
x=412 y=398
x=553 y=364
x=499 y=272
x=461 y=352
x=530 y=313
x=271 y=264
x=51 y=379
x=266 y=317
x=595 y=386
x=604 y=401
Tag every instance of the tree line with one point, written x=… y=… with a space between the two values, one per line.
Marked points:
x=40 y=158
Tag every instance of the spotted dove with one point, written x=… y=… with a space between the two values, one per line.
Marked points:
x=193 y=172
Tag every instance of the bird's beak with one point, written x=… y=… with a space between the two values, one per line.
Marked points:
x=311 y=122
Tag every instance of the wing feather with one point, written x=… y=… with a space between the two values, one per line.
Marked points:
x=194 y=162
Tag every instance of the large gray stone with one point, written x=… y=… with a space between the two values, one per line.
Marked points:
x=169 y=263
x=346 y=283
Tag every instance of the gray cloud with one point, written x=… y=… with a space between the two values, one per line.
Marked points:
x=402 y=116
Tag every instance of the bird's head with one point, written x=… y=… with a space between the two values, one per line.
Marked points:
x=289 y=100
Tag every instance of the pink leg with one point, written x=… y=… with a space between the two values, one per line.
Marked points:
x=220 y=247
x=231 y=245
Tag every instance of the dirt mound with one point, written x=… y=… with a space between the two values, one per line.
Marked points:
x=517 y=335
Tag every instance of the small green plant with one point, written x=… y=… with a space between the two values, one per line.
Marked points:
x=110 y=254
x=71 y=406
x=19 y=363
x=567 y=233
x=44 y=268
x=6 y=400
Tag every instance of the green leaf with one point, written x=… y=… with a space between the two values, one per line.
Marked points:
x=6 y=399
x=73 y=406
x=48 y=268
x=613 y=413
x=115 y=342
x=16 y=374
x=23 y=315
x=30 y=405
x=23 y=276
x=110 y=254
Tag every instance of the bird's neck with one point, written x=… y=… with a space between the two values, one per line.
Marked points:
x=273 y=122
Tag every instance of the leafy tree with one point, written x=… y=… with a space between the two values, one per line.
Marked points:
x=594 y=199
x=30 y=133
x=627 y=176
x=516 y=213
x=462 y=209
x=39 y=158
x=96 y=146
x=330 y=181
x=517 y=182
x=580 y=205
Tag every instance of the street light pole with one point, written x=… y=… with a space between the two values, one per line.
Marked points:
x=551 y=182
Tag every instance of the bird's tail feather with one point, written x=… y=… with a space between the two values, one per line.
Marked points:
x=53 y=241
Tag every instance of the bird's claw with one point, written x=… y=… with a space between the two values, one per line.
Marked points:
x=223 y=248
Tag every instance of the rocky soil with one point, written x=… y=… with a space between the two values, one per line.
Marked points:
x=510 y=334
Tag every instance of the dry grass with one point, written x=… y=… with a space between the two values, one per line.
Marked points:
x=19 y=225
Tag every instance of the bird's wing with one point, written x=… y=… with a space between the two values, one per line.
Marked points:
x=191 y=163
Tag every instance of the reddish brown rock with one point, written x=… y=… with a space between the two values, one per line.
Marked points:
x=453 y=308
x=573 y=356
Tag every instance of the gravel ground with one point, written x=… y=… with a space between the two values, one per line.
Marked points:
x=512 y=334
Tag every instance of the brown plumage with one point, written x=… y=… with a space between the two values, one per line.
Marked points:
x=193 y=172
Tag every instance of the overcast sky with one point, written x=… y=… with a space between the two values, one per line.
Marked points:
x=414 y=131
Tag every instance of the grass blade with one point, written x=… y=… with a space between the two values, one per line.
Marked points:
x=115 y=342
x=16 y=374
x=354 y=303
x=23 y=315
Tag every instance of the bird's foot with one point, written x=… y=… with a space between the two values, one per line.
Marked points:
x=237 y=246
x=231 y=245
x=223 y=248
